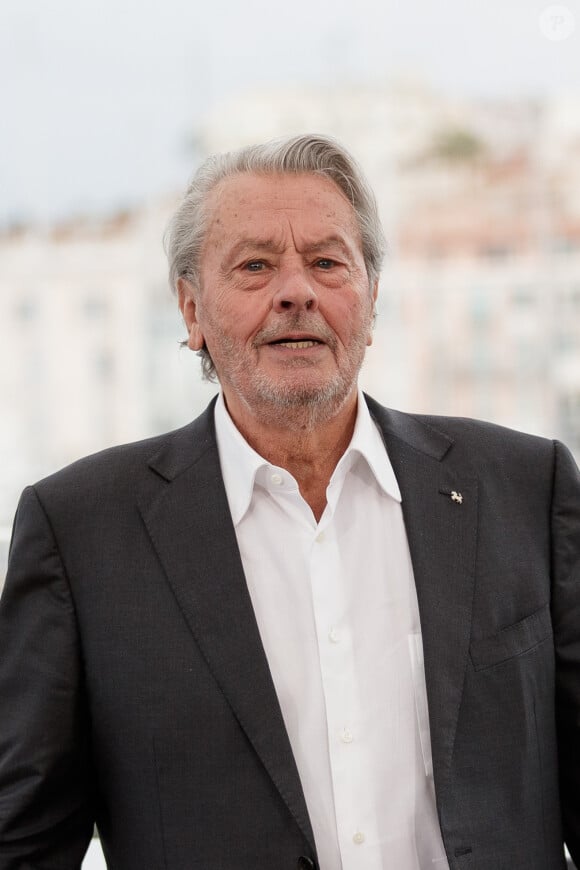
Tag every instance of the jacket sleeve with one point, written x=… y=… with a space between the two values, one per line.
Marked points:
x=46 y=812
x=566 y=622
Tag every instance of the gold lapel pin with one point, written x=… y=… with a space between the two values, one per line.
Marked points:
x=456 y=497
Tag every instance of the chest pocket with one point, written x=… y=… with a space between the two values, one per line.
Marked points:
x=512 y=641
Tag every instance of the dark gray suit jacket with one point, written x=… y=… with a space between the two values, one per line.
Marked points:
x=135 y=690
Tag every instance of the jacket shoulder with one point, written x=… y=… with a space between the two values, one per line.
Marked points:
x=485 y=433
x=478 y=441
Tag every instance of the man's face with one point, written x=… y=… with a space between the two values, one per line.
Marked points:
x=283 y=303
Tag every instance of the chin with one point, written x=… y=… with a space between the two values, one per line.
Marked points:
x=318 y=400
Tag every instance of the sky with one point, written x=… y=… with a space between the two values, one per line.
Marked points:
x=100 y=101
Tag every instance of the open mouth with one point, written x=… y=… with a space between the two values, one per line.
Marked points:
x=297 y=344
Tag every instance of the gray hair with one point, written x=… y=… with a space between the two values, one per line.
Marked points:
x=320 y=155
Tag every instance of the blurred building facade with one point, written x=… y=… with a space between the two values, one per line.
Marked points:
x=90 y=351
x=479 y=313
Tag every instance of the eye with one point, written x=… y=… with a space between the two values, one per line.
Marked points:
x=255 y=266
x=325 y=264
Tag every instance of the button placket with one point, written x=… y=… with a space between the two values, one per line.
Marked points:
x=330 y=597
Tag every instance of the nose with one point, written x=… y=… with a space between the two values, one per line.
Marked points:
x=295 y=293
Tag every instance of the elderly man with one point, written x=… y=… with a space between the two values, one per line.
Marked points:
x=304 y=631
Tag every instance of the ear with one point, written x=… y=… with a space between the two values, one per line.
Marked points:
x=187 y=297
x=374 y=295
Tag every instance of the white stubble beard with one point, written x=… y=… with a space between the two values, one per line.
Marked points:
x=304 y=407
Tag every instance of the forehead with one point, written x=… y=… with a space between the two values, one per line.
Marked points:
x=306 y=203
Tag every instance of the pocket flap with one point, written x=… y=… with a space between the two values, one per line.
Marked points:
x=513 y=640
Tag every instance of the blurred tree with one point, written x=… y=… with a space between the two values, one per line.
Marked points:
x=457 y=145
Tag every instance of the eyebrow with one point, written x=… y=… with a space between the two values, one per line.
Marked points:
x=250 y=245
x=328 y=242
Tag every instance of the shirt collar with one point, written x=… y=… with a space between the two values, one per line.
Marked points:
x=367 y=442
x=240 y=463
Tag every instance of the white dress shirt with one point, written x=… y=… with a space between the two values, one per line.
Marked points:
x=336 y=607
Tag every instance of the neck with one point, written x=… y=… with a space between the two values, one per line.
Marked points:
x=308 y=451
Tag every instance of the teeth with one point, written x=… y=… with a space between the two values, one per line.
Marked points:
x=295 y=345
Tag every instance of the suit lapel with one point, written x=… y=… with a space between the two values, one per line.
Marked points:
x=441 y=529
x=190 y=526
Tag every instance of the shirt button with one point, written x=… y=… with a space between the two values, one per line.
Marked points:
x=346 y=735
x=358 y=838
x=276 y=479
x=319 y=537
x=334 y=635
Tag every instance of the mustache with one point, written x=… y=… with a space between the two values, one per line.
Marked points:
x=296 y=323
